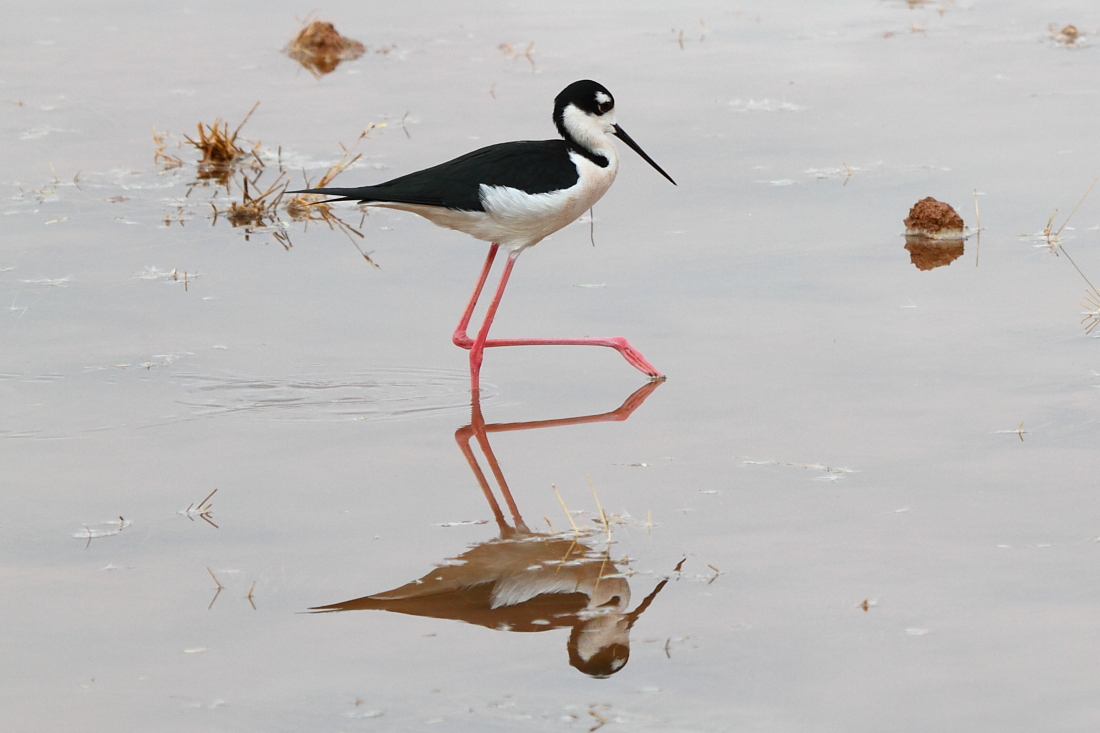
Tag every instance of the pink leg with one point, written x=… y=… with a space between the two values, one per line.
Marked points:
x=478 y=347
x=618 y=343
x=632 y=355
x=460 y=338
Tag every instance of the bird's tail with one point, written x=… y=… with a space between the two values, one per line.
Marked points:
x=345 y=194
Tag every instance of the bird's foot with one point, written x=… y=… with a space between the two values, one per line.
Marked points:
x=634 y=357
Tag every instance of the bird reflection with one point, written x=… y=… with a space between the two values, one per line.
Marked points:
x=525 y=580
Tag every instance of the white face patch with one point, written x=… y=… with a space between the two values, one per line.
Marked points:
x=602 y=98
x=588 y=130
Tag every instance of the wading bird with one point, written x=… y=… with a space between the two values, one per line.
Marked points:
x=515 y=194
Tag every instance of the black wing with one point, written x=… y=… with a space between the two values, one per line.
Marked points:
x=533 y=166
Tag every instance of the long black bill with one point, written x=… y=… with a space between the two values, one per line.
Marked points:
x=621 y=133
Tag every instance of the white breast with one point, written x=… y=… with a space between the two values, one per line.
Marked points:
x=524 y=219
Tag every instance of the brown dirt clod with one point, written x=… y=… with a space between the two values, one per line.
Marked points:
x=933 y=218
x=320 y=48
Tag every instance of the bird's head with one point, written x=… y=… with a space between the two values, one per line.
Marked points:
x=584 y=113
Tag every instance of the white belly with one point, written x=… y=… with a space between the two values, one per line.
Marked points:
x=515 y=219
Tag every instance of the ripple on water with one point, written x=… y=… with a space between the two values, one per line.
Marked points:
x=379 y=394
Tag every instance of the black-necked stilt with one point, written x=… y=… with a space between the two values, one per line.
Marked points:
x=514 y=195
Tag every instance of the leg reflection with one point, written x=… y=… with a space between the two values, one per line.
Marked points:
x=524 y=580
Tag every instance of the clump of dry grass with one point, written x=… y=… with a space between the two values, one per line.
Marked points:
x=320 y=48
x=1071 y=36
x=226 y=162
x=1068 y=36
x=255 y=211
x=307 y=207
x=1091 y=302
x=202 y=510
x=219 y=148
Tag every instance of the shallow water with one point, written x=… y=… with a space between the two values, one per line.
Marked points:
x=879 y=480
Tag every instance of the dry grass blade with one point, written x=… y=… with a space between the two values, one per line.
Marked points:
x=218 y=591
x=603 y=516
x=337 y=168
x=161 y=157
x=1047 y=230
x=565 y=509
x=203 y=509
x=307 y=207
x=509 y=50
x=301 y=207
x=215 y=577
x=1087 y=192
x=320 y=48
x=1091 y=303
x=1050 y=233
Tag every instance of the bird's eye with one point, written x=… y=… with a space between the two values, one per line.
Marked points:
x=604 y=107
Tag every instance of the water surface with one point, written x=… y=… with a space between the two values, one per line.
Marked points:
x=877 y=482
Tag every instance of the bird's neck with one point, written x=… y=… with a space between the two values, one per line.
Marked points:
x=586 y=136
x=602 y=158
